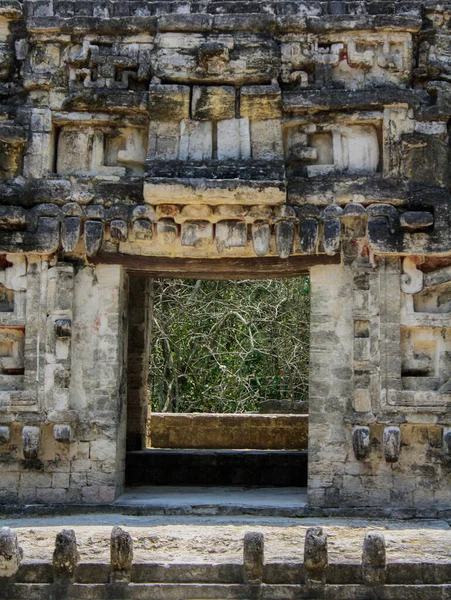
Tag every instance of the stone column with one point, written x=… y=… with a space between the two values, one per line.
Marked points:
x=98 y=381
x=331 y=380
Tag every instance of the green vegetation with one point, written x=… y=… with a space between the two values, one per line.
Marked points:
x=226 y=346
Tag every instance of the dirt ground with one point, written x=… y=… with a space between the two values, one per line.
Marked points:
x=220 y=539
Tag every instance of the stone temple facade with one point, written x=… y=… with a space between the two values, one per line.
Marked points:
x=225 y=139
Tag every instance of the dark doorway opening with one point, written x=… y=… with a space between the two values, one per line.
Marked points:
x=226 y=401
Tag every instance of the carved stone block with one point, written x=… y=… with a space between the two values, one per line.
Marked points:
x=10 y=552
x=316 y=560
x=234 y=139
x=196 y=233
x=65 y=555
x=231 y=234
x=253 y=557
x=213 y=103
x=70 y=233
x=121 y=555
x=63 y=328
x=4 y=434
x=119 y=230
x=62 y=433
x=93 y=236
x=261 y=236
x=361 y=442
x=260 y=102
x=374 y=559
x=169 y=102
x=447 y=442
x=392 y=443
x=31 y=438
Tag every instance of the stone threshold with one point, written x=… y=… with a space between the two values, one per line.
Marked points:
x=213 y=501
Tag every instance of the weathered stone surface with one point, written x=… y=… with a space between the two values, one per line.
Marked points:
x=253 y=557
x=150 y=139
x=65 y=555
x=4 y=434
x=392 y=443
x=217 y=431
x=261 y=102
x=374 y=559
x=121 y=555
x=31 y=437
x=261 y=237
x=213 y=103
x=169 y=102
x=361 y=442
x=62 y=433
x=266 y=139
x=315 y=555
x=93 y=236
x=10 y=552
x=196 y=140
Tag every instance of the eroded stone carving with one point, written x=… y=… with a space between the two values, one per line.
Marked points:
x=361 y=442
x=65 y=555
x=121 y=554
x=10 y=552
x=316 y=560
x=374 y=559
x=151 y=141
x=392 y=443
x=253 y=556
x=31 y=437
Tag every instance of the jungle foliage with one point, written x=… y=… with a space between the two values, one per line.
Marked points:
x=224 y=346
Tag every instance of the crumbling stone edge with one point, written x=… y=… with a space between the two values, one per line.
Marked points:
x=252 y=577
x=396 y=513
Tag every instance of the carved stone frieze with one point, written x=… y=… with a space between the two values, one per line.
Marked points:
x=226 y=139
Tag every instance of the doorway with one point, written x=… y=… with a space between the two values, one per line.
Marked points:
x=224 y=399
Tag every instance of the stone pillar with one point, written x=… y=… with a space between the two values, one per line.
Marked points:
x=331 y=380
x=65 y=561
x=374 y=561
x=121 y=555
x=98 y=381
x=253 y=557
x=316 y=560
x=10 y=554
x=60 y=282
x=140 y=320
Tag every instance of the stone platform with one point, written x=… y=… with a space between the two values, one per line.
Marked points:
x=172 y=500
x=191 y=557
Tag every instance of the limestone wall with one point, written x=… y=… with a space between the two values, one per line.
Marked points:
x=62 y=434
x=265 y=432
x=225 y=139
x=378 y=434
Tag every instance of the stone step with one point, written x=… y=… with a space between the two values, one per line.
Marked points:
x=261 y=468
